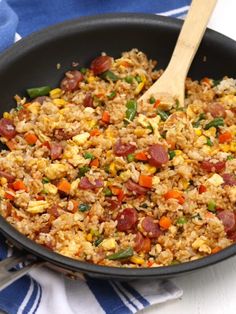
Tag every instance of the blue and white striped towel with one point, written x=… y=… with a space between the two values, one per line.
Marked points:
x=44 y=291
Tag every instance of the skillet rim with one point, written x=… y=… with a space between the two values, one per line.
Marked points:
x=31 y=42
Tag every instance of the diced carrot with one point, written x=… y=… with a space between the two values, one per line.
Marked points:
x=206 y=80
x=216 y=249
x=94 y=163
x=126 y=64
x=145 y=181
x=31 y=138
x=19 y=185
x=46 y=144
x=178 y=195
x=106 y=117
x=95 y=132
x=115 y=190
x=101 y=95
x=141 y=156
x=11 y=144
x=27 y=104
x=149 y=263
x=225 y=137
x=157 y=103
x=202 y=189
x=64 y=186
x=75 y=205
x=120 y=196
x=171 y=144
x=9 y=196
x=40 y=197
x=165 y=222
x=209 y=215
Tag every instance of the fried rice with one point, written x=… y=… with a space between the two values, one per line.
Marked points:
x=93 y=175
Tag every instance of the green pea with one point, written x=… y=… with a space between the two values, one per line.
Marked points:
x=138 y=78
x=129 y=79
x=211 y=206
x=130 y=157
x=107 y=192
x=181 y=221
x=84 y=207
x=83 y=70
x=88 y=156
x=82 y=171
x=152 y=100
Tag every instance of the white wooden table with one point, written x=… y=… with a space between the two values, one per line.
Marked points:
x=211 y=290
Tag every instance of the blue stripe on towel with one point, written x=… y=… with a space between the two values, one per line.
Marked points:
x=107 y=296
x=135 y=293
x=39 y=299
x=33 y=298
x=124 y=295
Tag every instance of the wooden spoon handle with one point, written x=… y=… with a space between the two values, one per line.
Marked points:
x=190 y=36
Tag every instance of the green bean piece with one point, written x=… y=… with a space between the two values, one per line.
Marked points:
x=88 y=156
x=130 y=157
x=163 y=114
x=128 y=252
x=216 y=82
x=84 y=207
x=129 y=79
x=152 y=100
x=38 y=91
x=83 y=70
x=181 y=221
x=82 y=171
x=107 y=192
x=211 y=206
x=171 y=154
x=98 y=241
x=109 y=76
x=214 y=123
x=131 y=111
x=111 y=95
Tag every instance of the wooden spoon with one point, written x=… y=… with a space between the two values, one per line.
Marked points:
x=171 y=85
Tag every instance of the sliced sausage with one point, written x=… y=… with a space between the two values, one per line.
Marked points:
x=127 y=219
x=229 y=179
x=71 y=80
x=210 y=166
x=88 y=100
x=101 y=64
x=121 y=149
x=150 y=228
x=23 y=114
x=216 y=110
x=135 y=187
x=158 y=155
x=85 y=184
x=56 y=150
x=10 y=178
x=7 y=128
x=228 y=219
x=142 y=244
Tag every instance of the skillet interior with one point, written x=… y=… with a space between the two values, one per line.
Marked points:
x=32 y=62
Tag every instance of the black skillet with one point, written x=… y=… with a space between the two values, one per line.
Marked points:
x=33 y=62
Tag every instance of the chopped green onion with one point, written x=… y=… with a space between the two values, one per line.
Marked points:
x=88 y=156
x=230 y=157
x=181 y=221
x=83 y=70
x=214 y=123
x=197 y=216
x=109 y=76
x=129 y=79
x=201 y=117
x=84 y=207
x=163 y=114
x=171 y=154
x=150 y=127
x=121 y=254
x=107 y=192
x=216 y=82
x=138 y=78
x=111 y=95
x=209 y=142
x=131 y=111
x=98 y=241
x=130 y=157
x=152 y=100
x=38 y=91
x=82 y=171
x=211 y=206
x=45 y=180
x=20 y=107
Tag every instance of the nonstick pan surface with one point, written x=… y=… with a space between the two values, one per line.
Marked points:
x=33 y=62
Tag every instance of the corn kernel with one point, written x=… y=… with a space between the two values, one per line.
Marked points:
x=109 y=153
x=150 y=169
x=215 y=180
x=185 y=183
x=139 y=88
x=210 y=132
x=3 y=181
x=108 y=244
x=59 y=102
x=89 y=237
x=139 y=132
x=137 y=260
x=125 y=175
x=37 y=207
x=224 y=147
x=55 y=93
x=90 y=79
x=198 y=132
x=112 y=169
x=233 y=147
x=178 y=152
x=7 y=115
x=80 y=139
